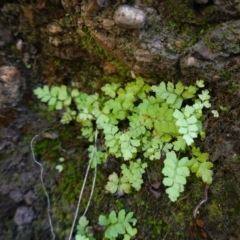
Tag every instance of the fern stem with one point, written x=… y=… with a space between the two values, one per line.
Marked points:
x=41 y=178
x=82 y=189
x=93 y=183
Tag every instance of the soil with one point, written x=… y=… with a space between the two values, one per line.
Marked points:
x=25 y=45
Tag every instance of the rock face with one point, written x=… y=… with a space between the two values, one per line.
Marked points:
x=182 y=41
x=219 y=49
x=10 y=84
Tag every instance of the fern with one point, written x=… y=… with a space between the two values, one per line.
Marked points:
x=118 y=185
x=175 y=172
x=152 y=148
x=140 y=120
x=200 y=165
x=99 y=156
x=84 y=232
x=187 y=123
x=139 y=88
x=110 y=89
x=112 y=139
x=129 y=146
x=171 y=94
x=118 y=224
x=134 y=173
x=68 y=116
x=56 y=97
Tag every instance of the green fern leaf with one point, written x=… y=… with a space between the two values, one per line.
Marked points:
x=188 y=124
x=179 y=144
x=200 y=165
x=68 y=116
x=102 y=119
x=117 y=225
x=110 y=89
x=171 y=95
x=88 y=133
x=112 y=142
x=40 y=92
x=139 y=88
x=200 y=83
x=63 y=93
x=134 y=173
x=176 y=172
x=128 y=145
x=137 y=127
x=189 y=92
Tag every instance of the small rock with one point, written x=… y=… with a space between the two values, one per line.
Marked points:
x=129 y=17
x=29 y=198
x=19 y=45
x=108 y=24
x=143 y=56
x=51 y=135
x=103 y=3
x=24 y=215
x=16 y=195
x=53 y=28
x=191 y=61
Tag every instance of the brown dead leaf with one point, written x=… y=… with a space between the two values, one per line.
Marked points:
x=199 y=222
x=109 y=68
x=28 y=13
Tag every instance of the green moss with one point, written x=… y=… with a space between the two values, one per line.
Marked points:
x=70 y=182
x=48 y=148
x=213 y=45
x=233 y=87
x=225 y=75
x=93 y=47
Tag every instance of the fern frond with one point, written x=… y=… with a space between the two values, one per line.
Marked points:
x=175 y=172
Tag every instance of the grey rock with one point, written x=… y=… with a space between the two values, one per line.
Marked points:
x=29 y=198
x=103 y=3
x=24 y=215
x=129 y=17
x=16 y=195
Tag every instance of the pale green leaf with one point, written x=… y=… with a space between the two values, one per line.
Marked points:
x=200 y=83
x=59 y=168
x=54 y=91
x=46 y=98
x=52 y=101
x=110 y=89
x=113 y=217
x=59 y=105
x=62 y=93
x=103 y=221
x=75 y=93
